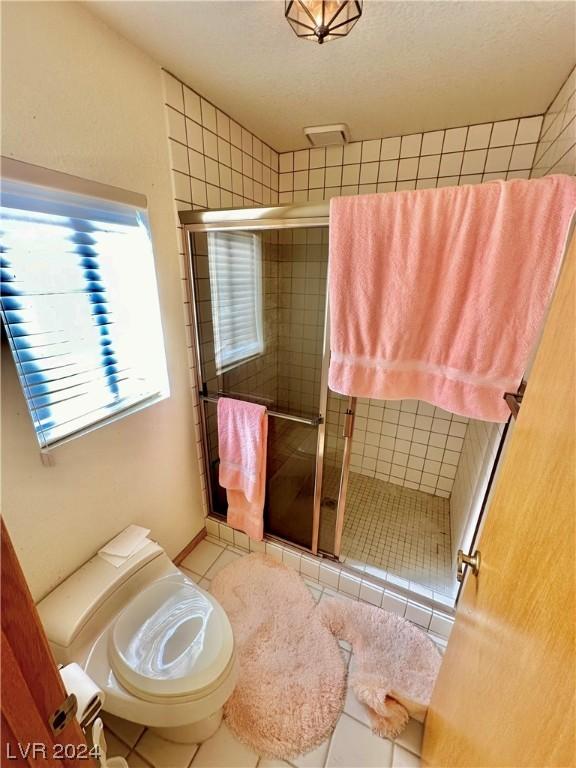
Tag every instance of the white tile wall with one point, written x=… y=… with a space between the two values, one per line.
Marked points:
x=405 y=442
x=466 y=155
x=556 y=150
x=302 y=268
x=471 y=480
x=215 y=163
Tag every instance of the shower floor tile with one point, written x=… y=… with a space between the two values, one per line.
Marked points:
x=402 y=532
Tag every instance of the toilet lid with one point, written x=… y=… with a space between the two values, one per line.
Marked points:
x=173 y=639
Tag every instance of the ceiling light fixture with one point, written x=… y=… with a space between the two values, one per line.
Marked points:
x=322 y=20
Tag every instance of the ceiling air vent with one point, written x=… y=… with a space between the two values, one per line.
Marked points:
x=326 y=135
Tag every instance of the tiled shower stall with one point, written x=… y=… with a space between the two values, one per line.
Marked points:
x=418 y=473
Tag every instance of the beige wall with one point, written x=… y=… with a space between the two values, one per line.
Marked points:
x=80 y=99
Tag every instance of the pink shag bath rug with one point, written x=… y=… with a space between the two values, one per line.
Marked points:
x=394 y=664
x=292 y=682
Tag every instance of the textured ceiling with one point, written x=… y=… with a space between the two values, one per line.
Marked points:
x=406 y=67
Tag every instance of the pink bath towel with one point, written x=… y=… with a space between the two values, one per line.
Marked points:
x=439 y=294
x=242 y=433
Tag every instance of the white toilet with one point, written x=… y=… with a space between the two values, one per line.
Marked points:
x=158 y=645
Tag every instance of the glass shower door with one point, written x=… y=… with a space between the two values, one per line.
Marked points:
x=259 y=303
x=336 y=462
x=302 y=268
x=290 y=484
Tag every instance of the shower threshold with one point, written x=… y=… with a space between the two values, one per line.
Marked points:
x=397 y=589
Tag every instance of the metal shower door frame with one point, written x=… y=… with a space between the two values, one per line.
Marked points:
x=280 y=217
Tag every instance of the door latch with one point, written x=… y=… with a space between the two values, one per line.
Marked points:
x=59 y=719
x=472 y=561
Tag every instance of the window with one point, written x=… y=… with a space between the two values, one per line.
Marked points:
x=80 y=308
x=235 y=263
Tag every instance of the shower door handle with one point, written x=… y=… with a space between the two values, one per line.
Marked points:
x=348 y=429
x=473 y=561
x=340 y=511
x=315 y=421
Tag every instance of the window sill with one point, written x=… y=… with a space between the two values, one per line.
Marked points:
x=139 y=406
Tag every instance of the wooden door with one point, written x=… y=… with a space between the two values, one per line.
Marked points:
x=505 y=693
x=31 y=686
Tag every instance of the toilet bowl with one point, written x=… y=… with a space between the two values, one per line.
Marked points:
x=160 y=647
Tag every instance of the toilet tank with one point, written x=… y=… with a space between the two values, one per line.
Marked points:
x=80 y=608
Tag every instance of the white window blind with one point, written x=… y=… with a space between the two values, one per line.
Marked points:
x=80 y=308
x=235 y=264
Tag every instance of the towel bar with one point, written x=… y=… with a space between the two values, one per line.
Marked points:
x=313 y=422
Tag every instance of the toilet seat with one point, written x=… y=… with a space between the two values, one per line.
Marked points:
x=100 y=614
x=172 y=641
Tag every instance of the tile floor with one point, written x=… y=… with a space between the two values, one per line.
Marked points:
x=399 y=531
x=351 y=745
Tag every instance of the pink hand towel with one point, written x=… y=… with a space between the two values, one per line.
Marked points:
x=242 y=433
x=439 y=294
